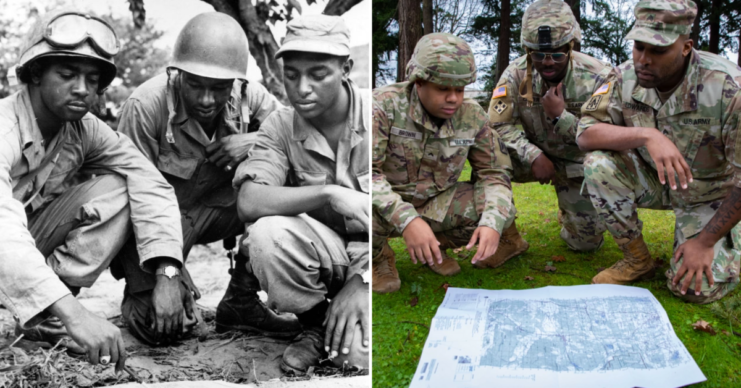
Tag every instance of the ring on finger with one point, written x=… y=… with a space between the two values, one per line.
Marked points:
x=105 y=360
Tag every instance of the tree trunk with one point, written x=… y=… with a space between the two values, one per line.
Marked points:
x=713 y=45
x=695 y=34
x=262 y=43
x=427 y=16
x=503 y=45
x=339 y=7
x=576 y=9
x=409 y=33
x=739 y=49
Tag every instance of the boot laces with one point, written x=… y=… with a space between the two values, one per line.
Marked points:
x=383 y=269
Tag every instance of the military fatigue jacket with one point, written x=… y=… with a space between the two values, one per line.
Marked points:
x=414 y=160
x=155 y=119
x=701 y=117
x=290 y=151
x=507 y=109
x=27 y=285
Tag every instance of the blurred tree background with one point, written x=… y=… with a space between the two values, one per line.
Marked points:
x=492 y=27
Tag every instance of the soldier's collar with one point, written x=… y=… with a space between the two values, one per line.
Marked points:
x=418 y=114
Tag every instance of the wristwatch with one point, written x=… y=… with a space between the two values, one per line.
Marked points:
x=169 y=270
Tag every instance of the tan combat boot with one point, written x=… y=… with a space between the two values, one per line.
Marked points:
x=511 y=244
x=636 y=264
x=385 y=276
x=449 y=266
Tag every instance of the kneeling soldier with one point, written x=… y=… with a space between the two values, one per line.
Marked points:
x=423 y=133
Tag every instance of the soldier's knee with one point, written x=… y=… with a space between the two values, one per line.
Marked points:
x=707 y=294
x=582 y=243
x=598 y=165
x=358 y=356
x=267 y=238
x=134 y=311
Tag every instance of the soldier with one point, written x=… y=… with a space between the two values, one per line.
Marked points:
x=671 y=114
x=546 y=103
x=58 y=235
x=195 y=124
x=423 y=132
x=305 y=185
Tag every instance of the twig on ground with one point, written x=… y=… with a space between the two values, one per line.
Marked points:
x=254 y=372
x=558 y=273
x=133 y=374
x=416 y=323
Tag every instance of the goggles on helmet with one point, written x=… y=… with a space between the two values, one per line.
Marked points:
x=541 y=56
x=69 y=30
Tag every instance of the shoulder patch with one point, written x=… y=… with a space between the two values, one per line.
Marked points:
x=499 y=92
x=603 y=89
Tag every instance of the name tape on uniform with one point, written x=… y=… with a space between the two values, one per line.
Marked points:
x=461 y=142
x=603 y=89
x=500 y=92
x=404 y=133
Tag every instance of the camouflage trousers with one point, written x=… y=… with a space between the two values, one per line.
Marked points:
x=621 y=182
x=461 y=219
x=582 y=228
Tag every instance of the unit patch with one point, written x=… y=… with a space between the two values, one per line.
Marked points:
x=593 y=103
x=500 y=106
x=404 y=133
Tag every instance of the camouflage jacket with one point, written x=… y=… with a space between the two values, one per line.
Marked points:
x=702 y=118
x=538 y=134
x=414 y=160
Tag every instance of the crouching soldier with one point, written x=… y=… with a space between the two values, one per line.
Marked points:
x=543 y=91
x=196 y=124
x=58 y=236
x=423 y=133
x=305 y=184
x=668 y=124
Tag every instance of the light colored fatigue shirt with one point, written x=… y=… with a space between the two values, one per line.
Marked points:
x=414 y=160
x=702 y=118
x=27 y=285
x=538 y=134
x=155 y=119
x=292 y=152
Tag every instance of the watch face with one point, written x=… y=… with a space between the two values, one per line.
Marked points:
x=171 y=271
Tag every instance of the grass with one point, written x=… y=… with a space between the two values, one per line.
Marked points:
x=400 y=330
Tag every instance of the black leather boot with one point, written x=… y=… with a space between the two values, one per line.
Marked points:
x=241 y=308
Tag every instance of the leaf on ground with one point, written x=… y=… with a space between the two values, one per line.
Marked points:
x=480 y=282
x=704 y=326
x=725 y=332
x=550 y=268
x=459 y=250
x=541 y=213
x=444 y=286
x=558 y=259
x=529 y=278
x=547 y=220
x=413 y=302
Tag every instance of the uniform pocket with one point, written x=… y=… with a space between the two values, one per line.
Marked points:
x=176 y=165
x=364 y=181
x=311 y=178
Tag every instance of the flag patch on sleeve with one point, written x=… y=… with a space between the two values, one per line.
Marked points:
x=603 y=89
x=500 y=92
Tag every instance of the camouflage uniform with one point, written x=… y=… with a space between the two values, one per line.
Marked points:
x=416 y=165
x=702 y=119
x=582 y=228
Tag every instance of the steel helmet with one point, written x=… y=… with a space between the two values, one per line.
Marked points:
x=66 y=33
x=443 y=59
x=212 y=45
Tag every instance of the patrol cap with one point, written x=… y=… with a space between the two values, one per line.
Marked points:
x=443 y=59
x=548 y=24
x=660 y=23
x=322 y=34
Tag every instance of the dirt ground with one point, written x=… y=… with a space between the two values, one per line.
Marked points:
x=230 y=357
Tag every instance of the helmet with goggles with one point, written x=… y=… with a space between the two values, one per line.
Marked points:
x=71 y=34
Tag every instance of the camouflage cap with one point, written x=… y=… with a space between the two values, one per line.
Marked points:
x=549 y=24
x=443 y=59
x=660 y=23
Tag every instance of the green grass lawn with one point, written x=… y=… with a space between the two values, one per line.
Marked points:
x=400 y=329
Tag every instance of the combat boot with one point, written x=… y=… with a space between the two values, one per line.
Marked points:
x=305 y=351
x=385 y=276
x=636 y=264
x=51 y=331
x=449 y=266
x=241 y=308
x=511 y=244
